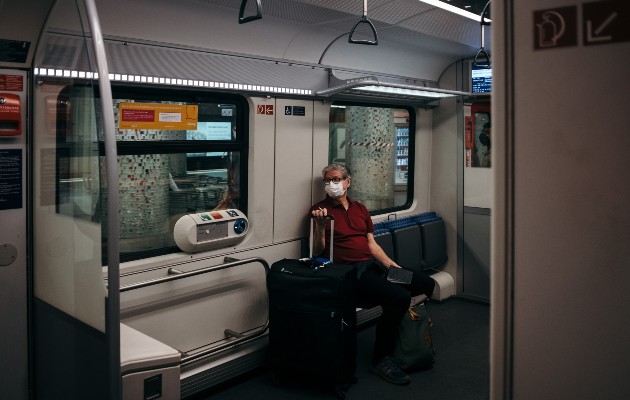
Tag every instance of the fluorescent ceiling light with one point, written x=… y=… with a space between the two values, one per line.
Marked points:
x=405 y=92
x=373 y=85
x=168 y=81
x=453 y=9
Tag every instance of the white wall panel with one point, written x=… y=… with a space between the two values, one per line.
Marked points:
x=261 y=158
x=294 y=160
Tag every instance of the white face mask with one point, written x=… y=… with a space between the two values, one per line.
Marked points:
x=335 y=190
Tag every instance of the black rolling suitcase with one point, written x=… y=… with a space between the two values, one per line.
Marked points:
x=312 y=322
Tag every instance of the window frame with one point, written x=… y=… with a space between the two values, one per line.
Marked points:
x=240 y=143
x=411 y=149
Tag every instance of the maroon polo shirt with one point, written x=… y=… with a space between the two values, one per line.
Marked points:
x=351 y=229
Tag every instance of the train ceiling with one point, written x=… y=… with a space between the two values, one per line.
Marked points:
x=406 y=22
x=224 y=51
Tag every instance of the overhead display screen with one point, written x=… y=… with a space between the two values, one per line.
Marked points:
x=480 y=79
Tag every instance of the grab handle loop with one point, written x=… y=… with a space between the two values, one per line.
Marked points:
x=482 y=59
x=243 y=20
x=364 y=20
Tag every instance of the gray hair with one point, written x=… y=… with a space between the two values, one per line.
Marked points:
x=345 y=171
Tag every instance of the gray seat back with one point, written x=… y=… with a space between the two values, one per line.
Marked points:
x=433 y=238
x=408 y=247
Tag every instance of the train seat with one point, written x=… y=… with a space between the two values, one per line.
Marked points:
x=149 y=368
x=384 y=239
x=408 y=247
x=419 y=243
x=433 y=237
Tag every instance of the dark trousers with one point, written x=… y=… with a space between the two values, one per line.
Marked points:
x=374 y=289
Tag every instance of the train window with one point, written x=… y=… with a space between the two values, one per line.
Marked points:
x=479 y=145
x=376 y=143
x=178 y=153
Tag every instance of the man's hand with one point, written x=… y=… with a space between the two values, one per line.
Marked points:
x=320 y=216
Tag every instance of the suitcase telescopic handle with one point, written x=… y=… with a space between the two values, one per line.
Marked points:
x=332 y=230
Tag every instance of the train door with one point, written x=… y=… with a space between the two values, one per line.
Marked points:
x=474 y=279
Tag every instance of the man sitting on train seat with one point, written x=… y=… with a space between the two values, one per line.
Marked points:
x=355 y=244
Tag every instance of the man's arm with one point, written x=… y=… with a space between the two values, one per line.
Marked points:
x=379 y=254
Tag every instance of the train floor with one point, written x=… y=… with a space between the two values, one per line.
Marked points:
x=460 y=372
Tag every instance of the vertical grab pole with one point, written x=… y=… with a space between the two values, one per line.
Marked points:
x=112 y=315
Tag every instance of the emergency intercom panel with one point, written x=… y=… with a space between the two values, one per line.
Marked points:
x=10 y=115
x=210 y=230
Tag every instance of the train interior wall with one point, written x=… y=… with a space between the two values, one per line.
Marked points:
x=285 y=157
x=559 y=217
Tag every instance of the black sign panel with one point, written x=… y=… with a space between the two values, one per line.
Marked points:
x=300 y=111
x=606 y=22
x=14 y=50
x=10 y=179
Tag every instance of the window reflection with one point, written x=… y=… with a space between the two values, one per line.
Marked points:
x=164 y=170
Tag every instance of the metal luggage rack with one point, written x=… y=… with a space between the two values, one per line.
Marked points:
x=232 y=338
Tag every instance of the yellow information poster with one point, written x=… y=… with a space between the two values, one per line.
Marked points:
x=157 y=116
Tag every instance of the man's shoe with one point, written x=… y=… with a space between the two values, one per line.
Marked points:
x=388 y=370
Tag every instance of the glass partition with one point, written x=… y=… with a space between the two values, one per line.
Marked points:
x=67 y=170
x=73 y=334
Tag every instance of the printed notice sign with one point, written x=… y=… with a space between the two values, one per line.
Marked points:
x=13 y=83
x=10 y=179
x=265 y=109
x=157 y=116
x=554 y=28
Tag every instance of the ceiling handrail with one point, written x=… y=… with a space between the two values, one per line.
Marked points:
x=258 y=15
x=482 y=59
x=364 y=20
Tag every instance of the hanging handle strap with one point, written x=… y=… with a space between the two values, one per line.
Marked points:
x=364 y=20
x=482 y=59
x=258 y=15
